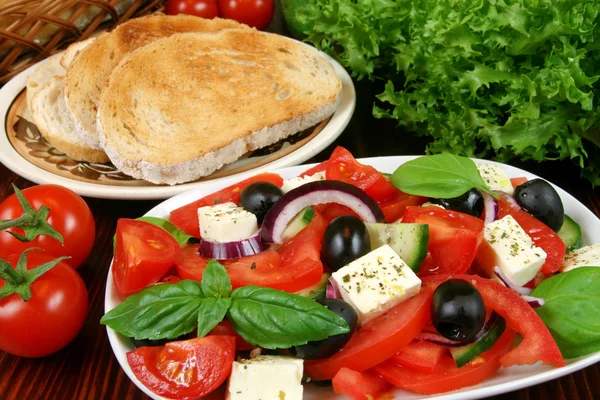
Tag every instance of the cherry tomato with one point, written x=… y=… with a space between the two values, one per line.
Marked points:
x=255 y=13
x=69 y=215
x=187 y=369
x=143 y=254
x=51 y=318
x=200 y=8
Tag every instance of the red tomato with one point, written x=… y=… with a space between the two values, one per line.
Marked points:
x=377 y=340
x=186 y=217
x=447 y=376
x=143 y=254
x=224 y=328
x=539 y=232
x=343 y=167
x=69 y=215
x=454 y=238
x=313 y=170
x=200 y=8
x=365 y=385
x=517 y=181
x=420 y=356
x=330 y=211
x=537 y=344
x=51 y=318
x=254 y=13
x=394 y=207
x=186 y=369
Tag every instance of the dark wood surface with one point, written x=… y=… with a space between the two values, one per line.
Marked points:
x=86 y=368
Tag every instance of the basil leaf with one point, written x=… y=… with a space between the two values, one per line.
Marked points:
x=212 y=311
x=274 y=319
x=162 y=311
x=441 y=176
x=180 y=236
x=572 y=310
x=215 y=281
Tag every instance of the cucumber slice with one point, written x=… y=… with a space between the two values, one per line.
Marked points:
x=570 y=233
x=299 y=222
x=408 y=240
x=316 y=291
x=462 y=355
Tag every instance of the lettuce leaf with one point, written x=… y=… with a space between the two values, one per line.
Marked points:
x=496 y=79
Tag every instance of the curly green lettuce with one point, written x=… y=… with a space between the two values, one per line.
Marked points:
x=495 y=79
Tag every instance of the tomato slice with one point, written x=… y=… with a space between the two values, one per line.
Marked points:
x=224 y=328
x=317 y=168
x=447 y=376
x=360 y=385
x=537 y=344
x=420 y=356
x=296 y=266
x=517 y=181
x=542 y=235
x=143 y=254
x=394 y=207
x=454 y=238
x=377 y=340
x=186 y=217
x=343 y=167
x=186 y=369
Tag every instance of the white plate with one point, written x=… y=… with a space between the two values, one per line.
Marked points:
x=115 y=189
x=505 y=380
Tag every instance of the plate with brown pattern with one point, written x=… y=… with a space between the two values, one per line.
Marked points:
x=25 y=151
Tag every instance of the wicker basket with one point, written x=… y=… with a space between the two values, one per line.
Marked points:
x=31 y=30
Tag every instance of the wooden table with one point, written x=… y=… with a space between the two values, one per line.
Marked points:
x=86 y=369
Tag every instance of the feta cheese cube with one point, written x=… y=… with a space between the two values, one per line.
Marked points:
x=588 y=256
x=376 y=282
x=293 y=183
x=266 y=378
x=226 y=222
x=495 y=177
x=509 y=247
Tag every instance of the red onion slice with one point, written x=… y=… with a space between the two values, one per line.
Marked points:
x=436 y=338
x=523 y=291
x=231 y=250
x=508 y=198
x=292 y=202
x=534 y=302
x=490 y=208
x=332 y=291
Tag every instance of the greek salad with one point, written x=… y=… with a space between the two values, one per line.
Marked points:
x=429 y=279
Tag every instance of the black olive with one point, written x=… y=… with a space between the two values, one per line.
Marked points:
x=457 y=310
x=259 y=197
x=333 y=344
x=539 y=199
x=469 y=203
x=346 y=239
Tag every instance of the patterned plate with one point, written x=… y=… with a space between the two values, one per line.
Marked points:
x=27 y=153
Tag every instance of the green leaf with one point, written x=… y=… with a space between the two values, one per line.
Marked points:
x=572 y=310
x=275 y=319
x=163 y=311
x=215 y=281
x=212 y=311
x=180 y=236
x=440 y=176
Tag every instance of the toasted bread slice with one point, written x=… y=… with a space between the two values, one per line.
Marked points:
x=88 y=74
x=73 y=51
x=44 y=71
x=205 y=99
x=56 y=124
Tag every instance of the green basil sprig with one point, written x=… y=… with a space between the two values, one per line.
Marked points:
x=441 y=176
x=266 y=317
x=572 y=310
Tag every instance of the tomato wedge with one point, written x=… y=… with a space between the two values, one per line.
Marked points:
x=447 y=376
x=454 y=238
x=186 y=217
x=143 y=254
x=377 y=340
x=342 y=166
x=420 y=356
x=224 y=328
x=537 y=344
x=186 y=369
x=542 y=235
x=517 y=181
x=313 y=170
x=365 y=385
x=394 y=207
